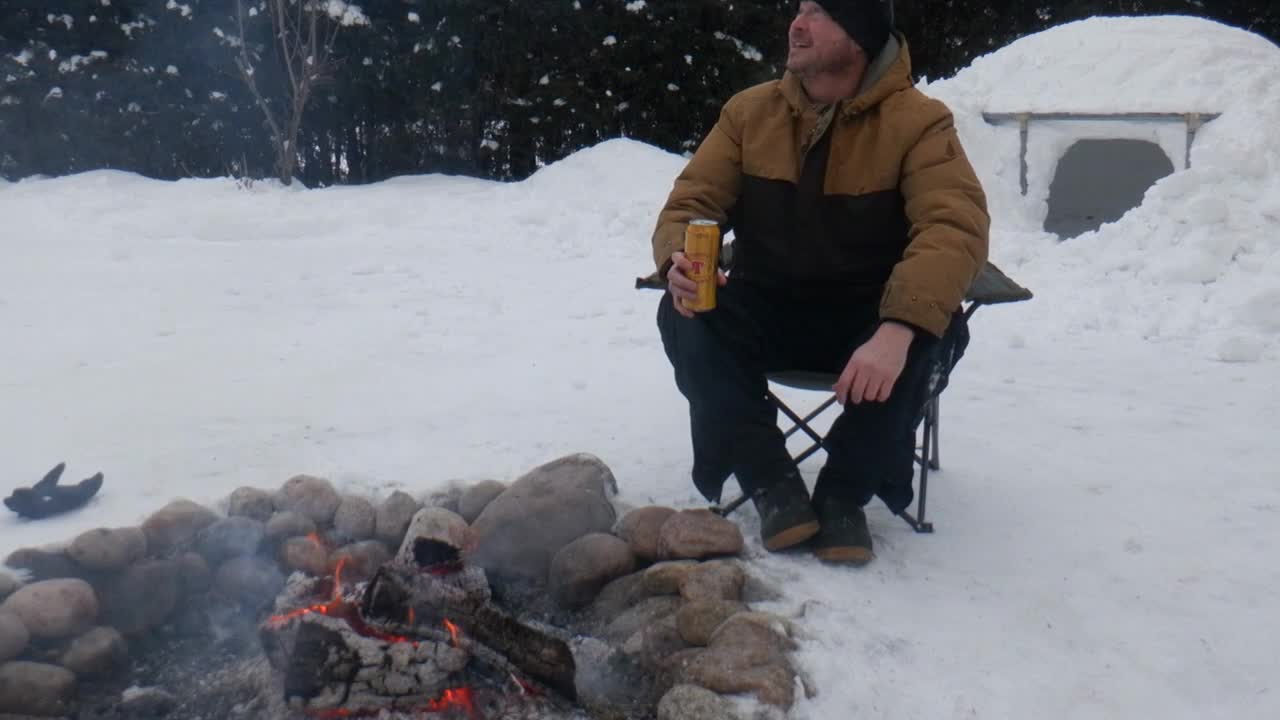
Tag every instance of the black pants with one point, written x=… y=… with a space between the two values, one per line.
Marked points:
x=720 y=360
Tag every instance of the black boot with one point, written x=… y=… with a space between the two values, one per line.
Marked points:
x=844 y=538
x=786 y=515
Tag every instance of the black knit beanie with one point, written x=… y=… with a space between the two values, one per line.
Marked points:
x=866 y=21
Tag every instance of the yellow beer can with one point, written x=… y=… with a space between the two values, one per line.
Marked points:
x=702 y=247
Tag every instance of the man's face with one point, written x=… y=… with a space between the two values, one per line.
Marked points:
x=817 y=44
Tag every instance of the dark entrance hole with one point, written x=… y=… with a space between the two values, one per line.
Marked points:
x=1098 y=181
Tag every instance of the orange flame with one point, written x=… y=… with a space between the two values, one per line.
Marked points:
x=460 y=698
x=411 y=616
x=337 y=578
x=454 y=631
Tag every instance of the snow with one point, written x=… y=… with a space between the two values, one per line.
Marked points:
x=1107 y=512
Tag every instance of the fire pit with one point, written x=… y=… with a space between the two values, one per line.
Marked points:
x=421 y=636
x=496 y=602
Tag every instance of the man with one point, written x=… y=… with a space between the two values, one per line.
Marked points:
x=859 y=225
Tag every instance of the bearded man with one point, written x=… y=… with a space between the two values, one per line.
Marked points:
x=858 y=226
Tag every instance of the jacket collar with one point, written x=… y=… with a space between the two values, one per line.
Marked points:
x=889 y=73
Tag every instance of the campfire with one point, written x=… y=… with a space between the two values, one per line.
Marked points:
x=530 y=601
x=419 y=637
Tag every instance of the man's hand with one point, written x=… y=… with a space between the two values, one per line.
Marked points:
x=875 y=366
x=681 y=286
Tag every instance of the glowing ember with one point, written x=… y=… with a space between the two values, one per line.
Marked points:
x=454 y=631
x=338 y=608
x=525 y=688
x=412 y=622
x=456 y=698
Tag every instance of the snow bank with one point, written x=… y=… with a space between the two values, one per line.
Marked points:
x=1199 y=261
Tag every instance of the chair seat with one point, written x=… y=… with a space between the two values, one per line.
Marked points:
x=804 y=379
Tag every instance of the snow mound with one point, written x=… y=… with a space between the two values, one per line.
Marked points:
x=1199 y=261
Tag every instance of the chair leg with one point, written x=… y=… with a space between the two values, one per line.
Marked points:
x=935 y=415
x=927 y=457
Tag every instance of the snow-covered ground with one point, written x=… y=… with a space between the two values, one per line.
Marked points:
x=1109 y=507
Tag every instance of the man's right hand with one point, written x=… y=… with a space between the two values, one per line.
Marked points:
x=681 y=286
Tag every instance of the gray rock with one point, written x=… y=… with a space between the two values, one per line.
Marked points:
x=98 y=653
x=36 y=689
x=252 y=503
x=449 y=498
x=289 y=524
x=54 y=608
x=393 y=518
x=434 y=523
x=640 y=529
x=655 y=643
x=549 y=507
x=306 y=555
x=772 y=684
x=754 y=636
x=41 y=564
x=644 y=613
x=147 y=702
x=691 y=702
x=175 y=525
x=581 y=568
x=250 y=581
x=355 y=519
x=230 y=537
x=13 y=636
x=617 y=597
x=143 y=596
x=359 y=560
x=477 y=497
x=8 y=583
x=714 y=580
x=664 y=578
x=312 y=496
x=697 y=620
x=698 y=534
x=108 y=549
x=194 y=573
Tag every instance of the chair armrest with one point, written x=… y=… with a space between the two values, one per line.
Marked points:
x=993 y=287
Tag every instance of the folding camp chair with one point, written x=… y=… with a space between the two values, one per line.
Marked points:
x=992 y=287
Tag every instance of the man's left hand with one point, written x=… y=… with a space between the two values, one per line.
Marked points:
x=875 y=365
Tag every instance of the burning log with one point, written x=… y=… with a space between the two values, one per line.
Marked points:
x=456 y=599
x=411 y=639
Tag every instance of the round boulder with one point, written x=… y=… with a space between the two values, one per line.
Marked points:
x=194 y=572
x=549 y=507
x=476 y=497
x=289 y=524
x=248 y=580
x=306 y=555
x=393 y=518
x=230 y=537
x=359 y=561
x=640 y=528
x=714 y=580
x=582 y=567
x=252 y=503
x=176 y=524
x=312 y=496
x=42 y=564
x=143 y=596
x=108 y=549
x=98 y=653
x=8 y=583
x=434 y=523
x=697 y=620
x=691 y=702
x=54 y=608
x=28 y=688
x=355 y=519
x=698 y=534
x=13 y=636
